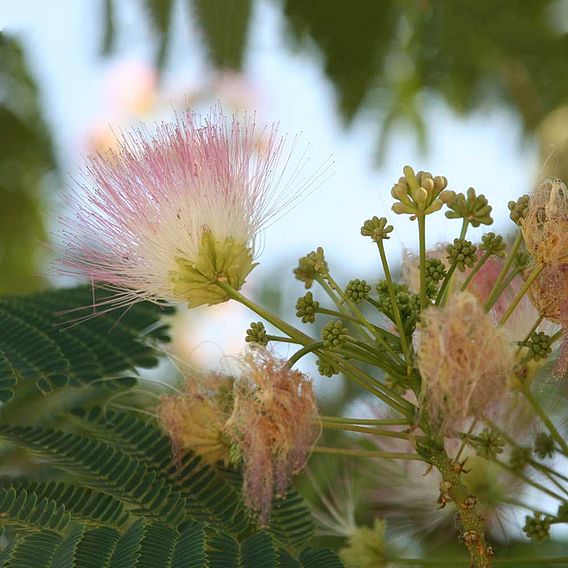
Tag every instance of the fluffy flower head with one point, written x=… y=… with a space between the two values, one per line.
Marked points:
x=464 y=359
x=195 y=420
x=275 y=424
x=169 y=214
x=545 y=226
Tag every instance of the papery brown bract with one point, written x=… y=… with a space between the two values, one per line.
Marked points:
x=275 y=424
x=465 y=360
x=545 y=225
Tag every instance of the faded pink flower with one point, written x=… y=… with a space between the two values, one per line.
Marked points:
x=169 y=214
x=465 y=360
x=275 y=424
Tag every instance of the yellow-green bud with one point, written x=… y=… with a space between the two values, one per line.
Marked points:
x=227 y=261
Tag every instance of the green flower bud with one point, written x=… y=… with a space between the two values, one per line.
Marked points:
x=435 y=270
x=539 y=345
x=256 y=334
x=310 y=266
x=376 y=228
x=462 y=254
x=334 y=335
x=520 y=457
x=489 y=444
x=196 y=280
x=543 y=445
x=493 y=244
x=420 y=193
x=306 y=308
x=408 y=303
x=519 y=209
x=326 y=369
x=537 y=527
x=473 y=208
x=357 y=290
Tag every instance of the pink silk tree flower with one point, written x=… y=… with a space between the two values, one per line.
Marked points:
x=168 y=215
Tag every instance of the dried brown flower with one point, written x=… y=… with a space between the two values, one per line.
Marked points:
x=464 y=358
x=275 y=424
x=545 y=226
x=195 y=420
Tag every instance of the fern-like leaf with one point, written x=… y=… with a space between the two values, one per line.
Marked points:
x=39 y=343
x=103 y=466
x=84 y=504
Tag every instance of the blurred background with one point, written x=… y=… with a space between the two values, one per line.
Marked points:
x=476 y=91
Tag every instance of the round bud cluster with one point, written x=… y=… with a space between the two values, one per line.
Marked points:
x=306 y=308
x=543 y=445
x=519 y=208
x=539 y=345
x=520 y=457
x=334 y=335
x=408 y=303
x=537 y=527
x=310 y=266
x=489 y=444
x=435 y=270
x=462 y=253
x=357 y=290
x=326 y=369
x=376 y=228
x=493 y=244
x=473 y=208
x=256 y=334
x=420 y=193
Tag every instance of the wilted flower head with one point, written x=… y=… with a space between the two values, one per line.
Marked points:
x=545 y=225
x=464 y=359
x=169 y=214
x=195 y=419
x=275 y=424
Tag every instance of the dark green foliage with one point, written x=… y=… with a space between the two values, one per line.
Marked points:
x=132 y=501
x=39 y=342
x=148 y=545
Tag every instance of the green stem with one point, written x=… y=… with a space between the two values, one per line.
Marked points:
x=362 y=319
x=367 y=453
x=394 y=303
x=546 y=420
x=303 y=351
x=369 y=421
x=472 y=524
x=465 y=225
x=456 y=563
x=280 y=339
x=524 y=289
x=364 y=430
x=495 y=291
x=465 y=439
x=532 y=330
x=445 y=284
x=422 y=247
x=480 y=262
